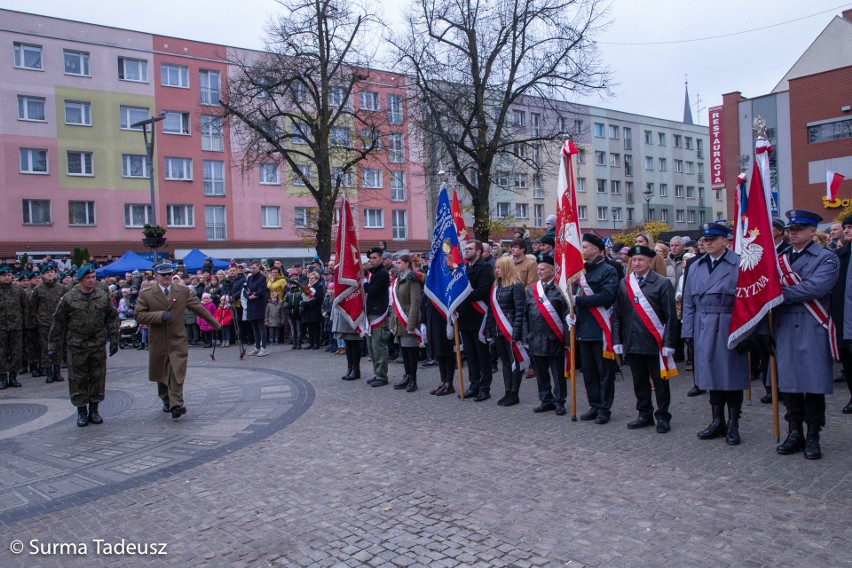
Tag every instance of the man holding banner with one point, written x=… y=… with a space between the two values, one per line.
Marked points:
x=472 y=314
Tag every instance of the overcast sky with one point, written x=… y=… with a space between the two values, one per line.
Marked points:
x=649 y=78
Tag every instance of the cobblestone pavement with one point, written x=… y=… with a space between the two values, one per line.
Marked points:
x=280 y=463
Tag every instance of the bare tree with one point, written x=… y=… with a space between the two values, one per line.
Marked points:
x=293 y=103
x=474 y=60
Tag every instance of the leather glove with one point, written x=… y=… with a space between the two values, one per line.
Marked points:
x=618 y=349
x=51 y=354
x=166 y=316
x=668 y=351
x=113 y=348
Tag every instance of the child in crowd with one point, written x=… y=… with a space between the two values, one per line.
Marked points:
x=206 y=328
x=226 y=319
x=274 y=319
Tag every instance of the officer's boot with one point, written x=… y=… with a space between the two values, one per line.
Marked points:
x=38 y=371
x=403 y=384
x=82 y=416
x=412 y=383
x=732 y=437
x=4 y=381
x=57 y=374
x=717 y=426
x=94 y=417
x=348 y=375
x=49 y=373
x=356 y=372
x=812 y=449
x=795 y=441
x=13 y=380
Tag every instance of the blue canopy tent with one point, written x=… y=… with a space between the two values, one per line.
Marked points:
x=194 y=261
x=128 y=262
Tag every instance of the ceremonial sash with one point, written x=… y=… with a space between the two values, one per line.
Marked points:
x=548 y=312
x=652 y=323
x=482 y=308
x=519 y=352
x=603 y=316
x=400 y=312
x=789 y=277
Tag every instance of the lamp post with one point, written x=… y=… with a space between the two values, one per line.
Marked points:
x=647 y=195
x=149 y=154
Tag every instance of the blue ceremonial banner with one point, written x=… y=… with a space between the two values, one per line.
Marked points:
x=446 y=283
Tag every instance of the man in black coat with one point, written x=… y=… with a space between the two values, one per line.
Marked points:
x=630 y=335
x=838 y=311
x=595 y=295
x=472 y=321
x=377 y=291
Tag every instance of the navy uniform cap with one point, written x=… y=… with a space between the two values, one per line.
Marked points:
x=165 y=268
x=546 y=259
x=84 y=270
x=715 y=230
x=802 y=218
x=640 y=250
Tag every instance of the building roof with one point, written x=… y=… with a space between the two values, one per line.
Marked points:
x=832 y=49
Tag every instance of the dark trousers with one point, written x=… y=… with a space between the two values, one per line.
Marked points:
x=511 y=376
x=259 y=334
x=846 y=361
x=646 y=368
x=410 y=355
x=598 y=375
x=557 y=391
x=295 y=324
x=805 y=407
x=353 y=353
x=313 y=333
x=478 y=361
x=447 y=367
x=191 y=333
x=732 y=398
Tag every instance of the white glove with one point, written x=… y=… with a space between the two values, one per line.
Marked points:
x=571 y=320
x=618 y=349
x=668 y=351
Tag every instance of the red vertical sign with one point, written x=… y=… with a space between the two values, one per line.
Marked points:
x=717 y=160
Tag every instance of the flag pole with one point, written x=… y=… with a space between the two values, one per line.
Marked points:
x=773 y=380
x=572 y=362
x=748 y=390
x=458 y=359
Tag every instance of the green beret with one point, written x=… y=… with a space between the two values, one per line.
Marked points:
x=24 y=276
x=84 y=270
x=47 y=268
x=5 y=270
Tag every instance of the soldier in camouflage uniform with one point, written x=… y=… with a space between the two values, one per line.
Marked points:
x=13 y=306
x=86 y=318
x=32 y=350
x=43 y=301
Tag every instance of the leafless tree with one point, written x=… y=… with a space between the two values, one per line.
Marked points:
x=292 y=104
x=474 y=60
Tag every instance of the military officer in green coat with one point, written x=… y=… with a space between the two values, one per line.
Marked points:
x=13 y=307
x=43 y=301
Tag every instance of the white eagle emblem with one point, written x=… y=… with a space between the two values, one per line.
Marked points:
x=750 y=253
x=569 y=234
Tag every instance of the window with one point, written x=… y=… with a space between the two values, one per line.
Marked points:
x=28 y=56
x=340 y=136
x=298 y=91
x=396 y=149
x=136 y=215
x=616 y=213
x=701 y=194
x=664 y=215
x=581 y=185
x=371 y=138
x=370 y=100
x=78 y=113
x=628 y=188
x=690 y=167
x=578 y=126
x=628 y=139
x=649 y=189
x=33 y=161
x=582 y=213
x=678 y=191
x=581 y=156
x=649 y=137
x=214 y=177
x=372 y=178
x=613 y=132
x=664 y=190
x=345 y=179
x=521 y=210
x=602 y=214
x=132 y=115
x=537 y=191
x=536 y=154
x=615 y=187
x=503 y=209
x=688 y=142
x=678 y=166
x=176 y=123
x=680 y=216
x=179 y=169
x=652 y=214
x=211 y=133
x=664 y=165
x=399 y=226
x=302 y=175
x=538 y=215
x=719 y=215
x=36 y=211
x=397 y=186
x=518 y=118
x=180 y=216
x=702 y=216
x=81 y=212
x=132 y=69
x=270 y=217
x=535 y=123
x=690 y=217
x=134 y=166
x=172 y=75
x=394 y=109
x=661 y=136
x=520 y=181
x=80 y=164
x=600 y=158
x=628 y=165
x=374 y=219
x=31 y=108
x=601 y=186
x=690 y=192
x=214 y=222
x=629 y=214
x=301 y=216
x=700 y=172
x=208 y=83
x=599 y=130
x=677 y=140
x=299 y=132
x=699 y=147
x=519 y=150
x=649 y=163
x=337 y=97
x=268 y=174
x=615 y=160
x=502 y=179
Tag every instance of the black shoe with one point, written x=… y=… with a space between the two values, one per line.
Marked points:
x=13 y=380
x=482 y=395
x=471 y=393
x=717 y=427
x=37 y=372
x=82 y=416
x=379 y=383
x=766 y=399
x=447 y=389
x=57 y=374
x=49 y=374
x=544 y=407
x=401 y=385
x=178 y=411
x=511 y=399
x=503 y=399
x=141 y=347
x=560 y=409
x=848 y=408
x=641 y=422
x=4 y=381
x=601 y=419
x=695 y=391
x=590 y=414
x=354 y=375
x=812 y=449
x=795 y=441
x=166 y=407
x=412 y=385
x=663 y=426
x=347 y=375
x=429 y=363
x=94 y=416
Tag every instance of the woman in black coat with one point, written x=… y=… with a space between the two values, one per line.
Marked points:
x=312 y=310
x=257 y=297
x=508 y=292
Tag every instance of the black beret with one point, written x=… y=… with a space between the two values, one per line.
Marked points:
x=847 y=220
x=594 y=240
x=375 y=250
x=644 y=251
x=779 y=224
x=548 y=240
x=546 y=258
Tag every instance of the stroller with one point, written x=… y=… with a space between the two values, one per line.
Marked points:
x=129 y=333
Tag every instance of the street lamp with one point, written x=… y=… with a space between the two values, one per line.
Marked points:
x=149 y=151
x=615 y=218
x=647 y=195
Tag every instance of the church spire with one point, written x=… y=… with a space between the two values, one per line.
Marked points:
x=687 y=108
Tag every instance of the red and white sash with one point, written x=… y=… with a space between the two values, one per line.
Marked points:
x=789 y=277
x=652 y=322
x=550 y=315
x=604 y=318
x=519 y=352
x=400 y=312
x=482 y=308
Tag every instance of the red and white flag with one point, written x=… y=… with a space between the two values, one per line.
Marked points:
x=348 y=288
x=759 y=276
x=461 y=230
x=568 y=252
x=832 y=185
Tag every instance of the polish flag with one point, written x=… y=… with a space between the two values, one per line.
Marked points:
x=832 y=185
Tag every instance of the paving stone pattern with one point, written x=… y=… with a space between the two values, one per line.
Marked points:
x=377 y=477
